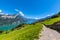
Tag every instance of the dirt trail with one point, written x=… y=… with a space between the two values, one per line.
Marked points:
x=49 y=34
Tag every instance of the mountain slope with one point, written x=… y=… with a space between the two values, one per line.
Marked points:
x=50 y=19
x=29 y=32
x=8 y=19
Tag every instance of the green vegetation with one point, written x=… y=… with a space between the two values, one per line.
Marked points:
x=51 y=21
x=29 y=32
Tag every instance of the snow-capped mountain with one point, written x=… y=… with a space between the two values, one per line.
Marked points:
x=16 y=18
x=8 y=22
x=9 y=16
x=8 y=19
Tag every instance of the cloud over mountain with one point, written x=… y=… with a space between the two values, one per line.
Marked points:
x=21 y=13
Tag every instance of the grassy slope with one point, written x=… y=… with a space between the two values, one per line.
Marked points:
x=51 y=21
x=30 y=32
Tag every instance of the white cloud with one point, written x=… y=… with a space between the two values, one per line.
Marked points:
x=0 y=10
x=21 y=13
x=17 y=10
x=36 y=18
x=48 y=15
x=33 y=18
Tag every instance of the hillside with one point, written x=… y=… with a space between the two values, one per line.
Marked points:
x=29 y=32
x=51 y=19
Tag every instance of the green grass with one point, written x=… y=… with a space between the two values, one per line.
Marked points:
x=29 y=32
x=51 y=21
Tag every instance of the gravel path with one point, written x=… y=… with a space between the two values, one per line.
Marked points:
x=49 y=34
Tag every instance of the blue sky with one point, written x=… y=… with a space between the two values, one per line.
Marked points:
x=30 y=8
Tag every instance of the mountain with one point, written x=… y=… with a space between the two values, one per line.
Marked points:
x=8 y=22
x=29 y=20
x=51 y=17
x=9 y=19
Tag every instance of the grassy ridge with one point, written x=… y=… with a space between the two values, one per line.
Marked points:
x=51 y=21
x=30 y=32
